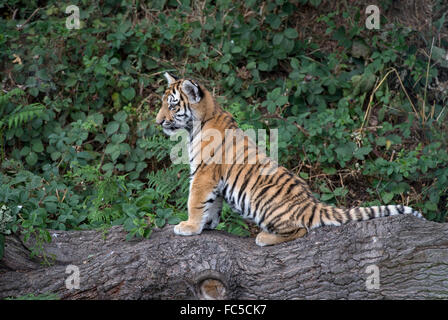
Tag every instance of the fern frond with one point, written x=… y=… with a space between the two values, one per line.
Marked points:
x=158 y=145
x=16 y=92
x=169 y=181
x=24 y=114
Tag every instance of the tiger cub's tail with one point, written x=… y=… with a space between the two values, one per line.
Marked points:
x=336 y=216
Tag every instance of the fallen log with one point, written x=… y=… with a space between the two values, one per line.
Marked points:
x=399 y=257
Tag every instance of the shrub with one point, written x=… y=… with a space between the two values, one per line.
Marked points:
x=80 y=148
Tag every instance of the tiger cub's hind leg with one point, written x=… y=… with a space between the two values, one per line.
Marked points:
x=267 y=239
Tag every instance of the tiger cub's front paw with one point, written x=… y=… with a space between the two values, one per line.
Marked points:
x=186 y=228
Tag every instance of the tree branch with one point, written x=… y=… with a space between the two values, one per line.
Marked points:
x=330 y=263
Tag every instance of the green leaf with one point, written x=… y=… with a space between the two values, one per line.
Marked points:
x=124 y=147
x=381 y=141
x=124 y=128
x=173 y=220
x=440 y=55
x=277 y=40
x=55 y=155
x=42 y=74
x=114 y=155
x=25 y=151
x=431 y=206
x=160 y=222
x=271 y=107
x=112 y=148
x=281 y=101
x=112 y=127
x=361 y=152
x=329 y=170
x=37 y=146
x=345 y=151
x=274 y=20
x=291 y=33
x=129 y=166
x=326 y=196
x=31 y=159
x=251 y=65
x=237 y=49
x=304 y=175
x=387 y=197
x=113 y=61
x=295 y=64
x=120 y=116
x=118 y=138
x=108 y=166
x=395 y=139
x=128 y=93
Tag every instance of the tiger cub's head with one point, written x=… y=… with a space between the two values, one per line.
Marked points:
x=183 y=102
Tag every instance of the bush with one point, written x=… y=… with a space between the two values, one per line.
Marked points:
x=80 y=148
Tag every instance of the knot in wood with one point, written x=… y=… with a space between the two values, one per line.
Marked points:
x=211 y=285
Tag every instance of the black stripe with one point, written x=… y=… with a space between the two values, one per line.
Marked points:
x=263 y=182
x=246 y=180
x=197 y=168
x=227 y=121
x=278 y=217
x=325 y=212
x=291 y=186
x=310 y=219
x=218 y=150
x=336 y=216
x=288 y=198
x=269 y=178
x=258 y=202
x=370 y=213
x=358 y=214
x=188 y=108
x=301 y=210
x=236 y=180
x=243 y=204
x=287 y=210
x=256 y=182
x=224 y=191
x=229 y=172
x=260 y=198
x=276 y=194
x=346 y=213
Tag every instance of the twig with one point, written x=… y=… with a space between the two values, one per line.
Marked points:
x=440 y=114
x=20 y=26
x=369 y=106
x=426 y=83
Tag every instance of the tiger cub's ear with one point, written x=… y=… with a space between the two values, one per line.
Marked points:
x=170 y=78
x=192 y=90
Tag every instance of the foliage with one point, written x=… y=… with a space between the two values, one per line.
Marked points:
x=31 y=296
x=80 y=148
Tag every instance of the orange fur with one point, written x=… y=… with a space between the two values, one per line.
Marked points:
x=281 y=203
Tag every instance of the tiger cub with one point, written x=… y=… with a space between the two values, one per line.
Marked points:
x=231 y=167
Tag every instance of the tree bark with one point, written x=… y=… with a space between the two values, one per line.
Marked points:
x=410 y=254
